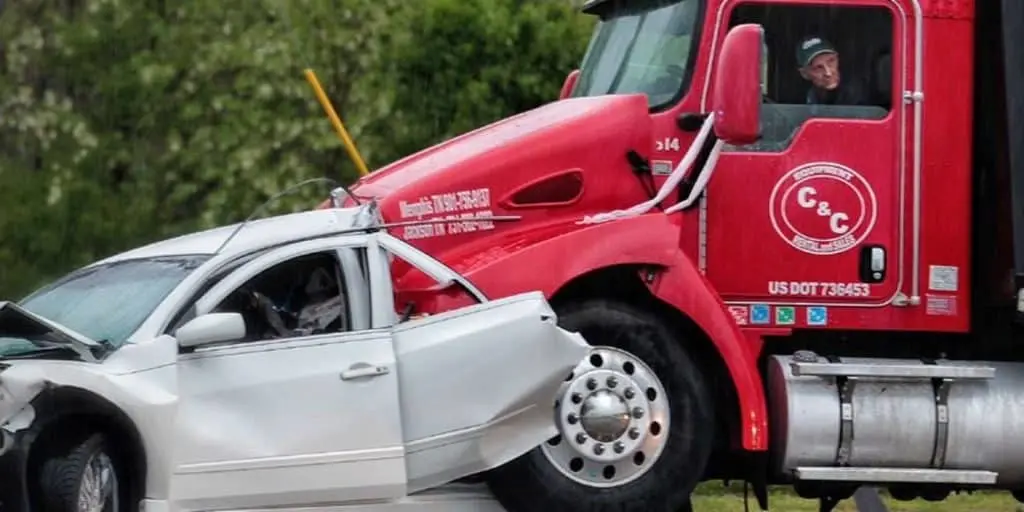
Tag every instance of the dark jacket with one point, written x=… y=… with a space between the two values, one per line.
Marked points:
x=849 y=92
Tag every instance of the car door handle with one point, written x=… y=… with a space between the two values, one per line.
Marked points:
x=360 y=370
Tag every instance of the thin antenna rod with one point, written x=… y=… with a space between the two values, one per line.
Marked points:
x=422 y=222
x=275 y=197
x=346 y=140
x=389 y=225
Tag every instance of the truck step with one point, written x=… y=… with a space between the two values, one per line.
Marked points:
x=904 y=371
x=896 y=475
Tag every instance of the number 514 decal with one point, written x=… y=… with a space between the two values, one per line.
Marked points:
x=668 y=144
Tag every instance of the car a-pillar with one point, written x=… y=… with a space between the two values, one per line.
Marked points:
x=638 y=419
x=76 y=441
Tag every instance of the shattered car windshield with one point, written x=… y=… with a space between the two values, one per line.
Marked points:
x=106 y=303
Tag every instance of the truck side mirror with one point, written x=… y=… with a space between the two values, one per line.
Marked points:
x=570 y=83
x=736 y=99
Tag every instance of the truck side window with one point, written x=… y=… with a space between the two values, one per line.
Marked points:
x=304 y=296
x=822 y=62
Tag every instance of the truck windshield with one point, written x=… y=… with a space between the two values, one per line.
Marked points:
x=107 y=302
x=641 y=46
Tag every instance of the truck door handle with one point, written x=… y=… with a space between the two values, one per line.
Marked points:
x=872 y=264
x=360 y=370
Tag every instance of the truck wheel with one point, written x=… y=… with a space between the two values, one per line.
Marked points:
x=84 y=480
x=635 y=422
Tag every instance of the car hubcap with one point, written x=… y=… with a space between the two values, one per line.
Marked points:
x=98 y=490
x=613 y=419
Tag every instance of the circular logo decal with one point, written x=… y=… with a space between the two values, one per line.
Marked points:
x=823 y=208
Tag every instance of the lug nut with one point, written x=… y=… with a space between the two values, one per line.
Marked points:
x=591 y=384
x=634 y=433
x=638 y=413
x=619 y=447
x=572 y=419
x=581 y=438
x=576 y=398
x=629 y=393
x=612 y=382
x=598 y=449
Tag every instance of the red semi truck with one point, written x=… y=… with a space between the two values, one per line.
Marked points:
x=822 y=295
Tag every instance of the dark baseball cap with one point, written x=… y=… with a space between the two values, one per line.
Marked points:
x=811 y=47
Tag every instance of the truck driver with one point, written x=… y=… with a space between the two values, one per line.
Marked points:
x=818 y=63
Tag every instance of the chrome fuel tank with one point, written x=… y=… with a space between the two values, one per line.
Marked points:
x=893 y=413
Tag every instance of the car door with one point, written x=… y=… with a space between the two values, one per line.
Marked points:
x=295 y=420
x=493 y=368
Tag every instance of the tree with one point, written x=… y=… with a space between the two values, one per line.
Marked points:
x=449 y=66
x=126 y=122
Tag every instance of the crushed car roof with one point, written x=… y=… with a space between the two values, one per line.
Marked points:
x=255 y=235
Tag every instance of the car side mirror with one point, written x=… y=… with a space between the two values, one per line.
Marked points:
x=736 y=99
x=569 y=84
x=211 y=328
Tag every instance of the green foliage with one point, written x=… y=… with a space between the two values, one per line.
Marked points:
x=126 y=122
x=453 y=65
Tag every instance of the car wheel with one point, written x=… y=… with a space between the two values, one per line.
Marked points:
x=635 y=422
x=84 y=480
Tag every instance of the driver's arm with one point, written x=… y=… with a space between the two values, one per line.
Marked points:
x=266 y=307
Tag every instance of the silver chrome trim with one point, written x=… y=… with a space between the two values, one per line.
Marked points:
x=904 y=371
x=897 y=475
x=915 y=278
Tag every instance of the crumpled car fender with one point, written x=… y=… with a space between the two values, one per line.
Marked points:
x=36 y=393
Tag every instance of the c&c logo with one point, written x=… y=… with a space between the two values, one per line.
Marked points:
x=823 y=208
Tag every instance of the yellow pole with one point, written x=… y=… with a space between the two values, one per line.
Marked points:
x=350 y=146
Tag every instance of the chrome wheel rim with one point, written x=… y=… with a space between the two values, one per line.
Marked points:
x=613 y=420
x=98 y=491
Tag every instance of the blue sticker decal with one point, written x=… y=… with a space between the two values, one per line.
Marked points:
x=760 y=314
x=817 y=315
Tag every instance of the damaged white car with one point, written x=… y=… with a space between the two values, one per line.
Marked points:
x=264 y=366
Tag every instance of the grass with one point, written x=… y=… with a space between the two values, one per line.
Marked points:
x=714 y=497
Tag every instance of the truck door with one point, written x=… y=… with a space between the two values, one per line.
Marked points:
x=811 y=215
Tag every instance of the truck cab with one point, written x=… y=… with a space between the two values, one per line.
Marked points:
x=834 y=190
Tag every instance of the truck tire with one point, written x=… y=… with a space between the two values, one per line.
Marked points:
x=88 y=473
x=635 y=422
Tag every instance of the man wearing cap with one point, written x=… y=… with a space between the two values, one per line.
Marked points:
x=818 y=62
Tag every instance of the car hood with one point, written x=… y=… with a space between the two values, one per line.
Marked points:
x=17 y=322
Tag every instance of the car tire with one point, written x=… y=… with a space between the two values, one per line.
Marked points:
x=88 y=471
x=551 y=478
